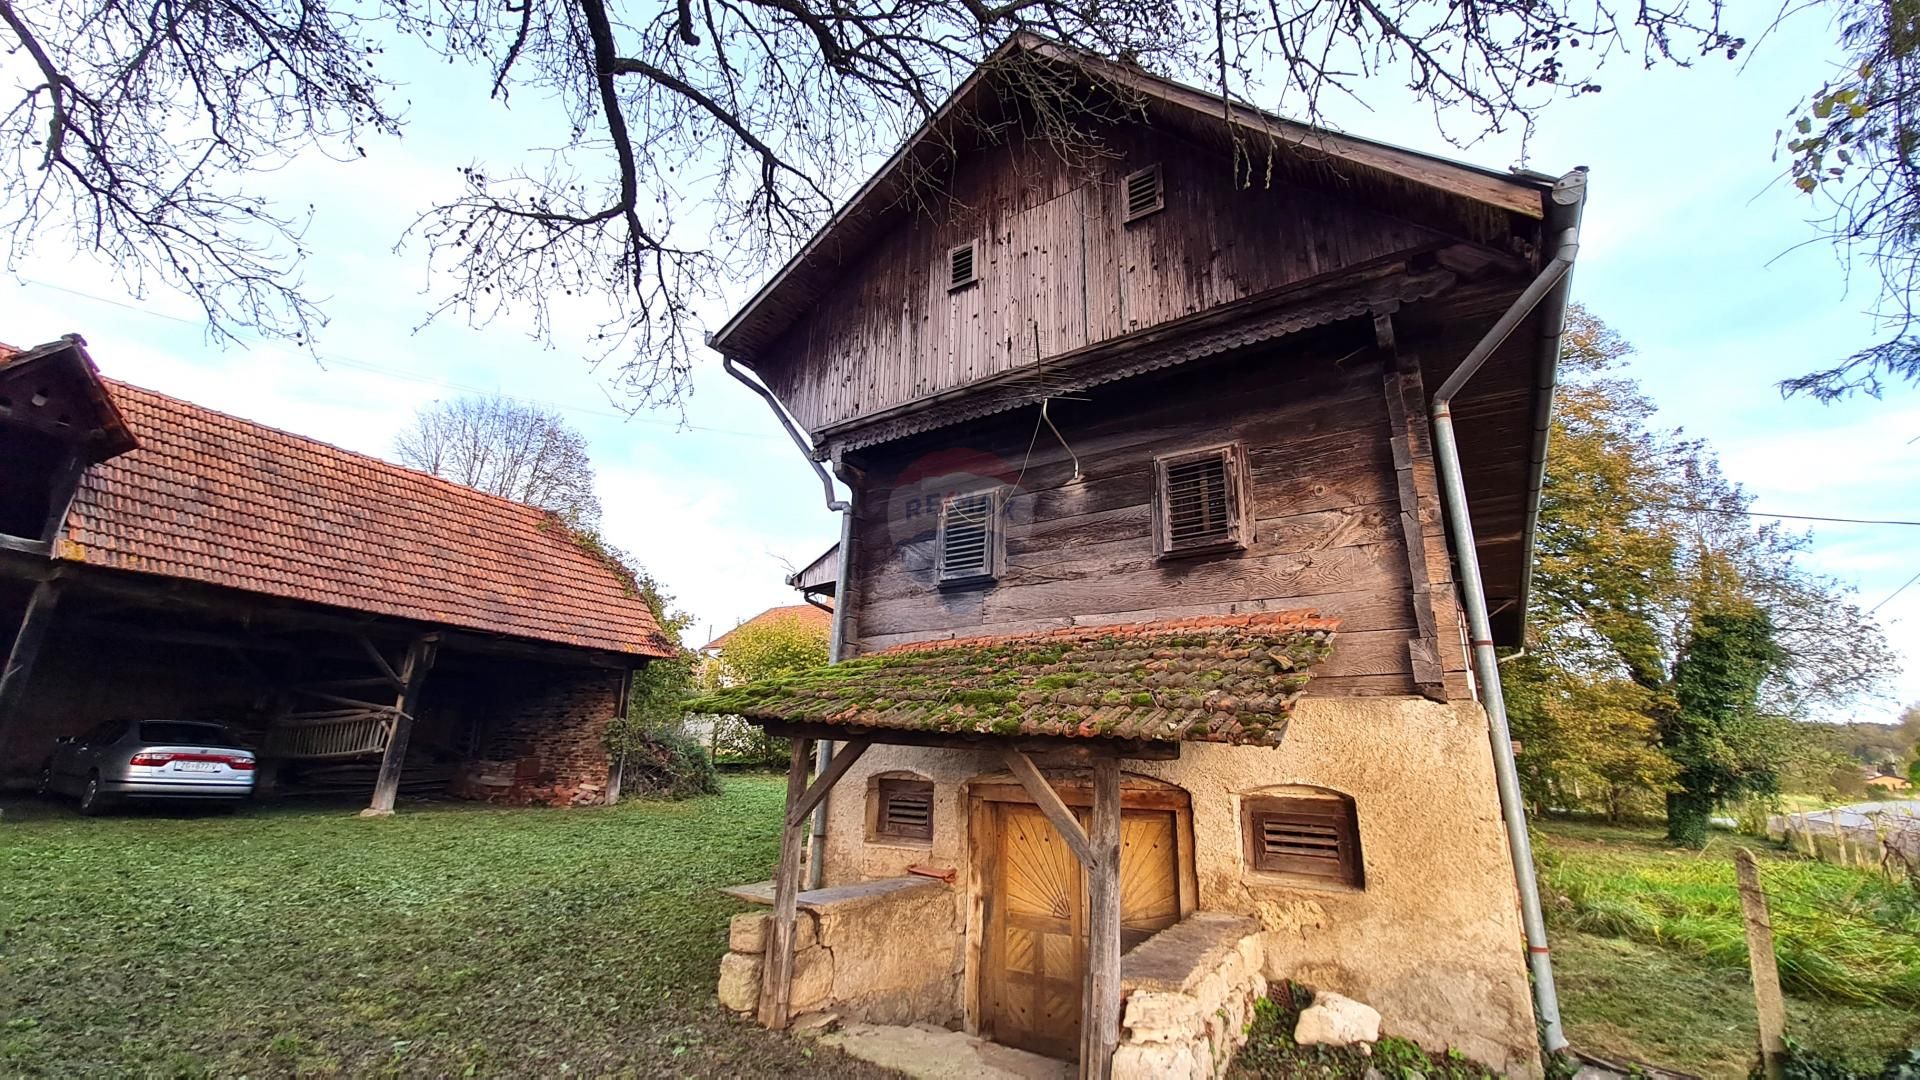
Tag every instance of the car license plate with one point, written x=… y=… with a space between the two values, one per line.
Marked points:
x=196 y=766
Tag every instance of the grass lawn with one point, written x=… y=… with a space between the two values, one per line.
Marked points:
x=1650 y=953
x=450 y=940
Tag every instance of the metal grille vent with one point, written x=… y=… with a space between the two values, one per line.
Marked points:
x=966 y=537
x=1199 y=506
x=960 y=266
x=1145 y=194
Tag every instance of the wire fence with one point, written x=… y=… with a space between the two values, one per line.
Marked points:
x=1868 y=836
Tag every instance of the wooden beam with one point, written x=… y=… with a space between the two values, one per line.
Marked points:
x=32 y=634
x=66 y=484
x=1100 y=1006
x=413 y=674
x=1768 y=1003
x=379 y=660
x=1050 y=804
x=1081 y=750
x=776 y=988
x=25 y=546
x=850 y=752
x=1402 y=381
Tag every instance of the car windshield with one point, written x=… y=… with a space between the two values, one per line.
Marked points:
x=173 y=731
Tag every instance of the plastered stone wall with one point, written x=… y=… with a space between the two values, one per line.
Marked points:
x=1434 y=939
x=1190 y=991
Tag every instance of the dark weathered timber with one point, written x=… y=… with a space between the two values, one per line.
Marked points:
x=66 y=483
x=1100 y=1009
x=413 y=675
x=27 y=640
x=1081 y=749
x=776 y=988
x=1050 y=804
x=1423 y=650
x=843 y=760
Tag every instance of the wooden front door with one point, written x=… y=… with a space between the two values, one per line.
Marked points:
x=1033 y=959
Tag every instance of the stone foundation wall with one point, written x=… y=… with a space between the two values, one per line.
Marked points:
x=1190 y=991
x=1433 y=940
x=543 y=743
x=885 y=953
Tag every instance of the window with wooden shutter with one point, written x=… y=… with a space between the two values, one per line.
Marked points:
x=1144 y=192
x=1308 y=836
x=1200 y=501
x=903 y=809
x=963 y=265
x=969 y=538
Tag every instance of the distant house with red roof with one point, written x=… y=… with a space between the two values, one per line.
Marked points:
x=810 y=615
x=369 y=624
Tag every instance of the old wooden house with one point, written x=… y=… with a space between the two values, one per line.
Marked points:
x=1193 y=479
x=368 y=626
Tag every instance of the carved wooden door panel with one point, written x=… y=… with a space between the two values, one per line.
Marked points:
x=1034 y=955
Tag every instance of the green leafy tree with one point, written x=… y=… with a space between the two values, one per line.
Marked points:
x=1640 y=540
x=755 y=652
x=1717 y=733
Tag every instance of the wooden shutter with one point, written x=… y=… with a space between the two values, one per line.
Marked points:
x=969 y=541
x=1201 y=503
x=905 y=809
x=963 y=267
x=1144 y=192
x=1309 y=836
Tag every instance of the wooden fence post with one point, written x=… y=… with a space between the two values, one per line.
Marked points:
x=1767 y=1002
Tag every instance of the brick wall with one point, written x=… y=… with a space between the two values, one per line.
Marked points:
x=543 y=742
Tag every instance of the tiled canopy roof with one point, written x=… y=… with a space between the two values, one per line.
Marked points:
x=213 y=498
x=806 y=614
x=1231 y=679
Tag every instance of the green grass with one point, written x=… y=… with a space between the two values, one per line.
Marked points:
x=1650 y=951
x=449 y=940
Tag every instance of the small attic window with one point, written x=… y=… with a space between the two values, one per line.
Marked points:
x=963 y=265
x=902 y=809
x=1316 y=837
x=969 y=540
x=1200 y=501
x=1145 y=193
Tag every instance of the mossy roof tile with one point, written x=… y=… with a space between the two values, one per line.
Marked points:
x=1230 y=679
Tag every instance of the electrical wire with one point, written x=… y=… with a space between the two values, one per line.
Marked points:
x=1894 y=593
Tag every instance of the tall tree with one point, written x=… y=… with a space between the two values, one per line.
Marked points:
x=138 y=128
x=1642 y=543
x=510 y=448
x=1725 y=744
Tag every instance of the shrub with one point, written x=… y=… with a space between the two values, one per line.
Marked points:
x=666 y=763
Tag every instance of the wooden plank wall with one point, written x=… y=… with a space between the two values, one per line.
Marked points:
x=1327 y=535
x=1059 y=270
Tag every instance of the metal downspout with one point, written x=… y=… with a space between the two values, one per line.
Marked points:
x=823 y=749
x=1549 y=288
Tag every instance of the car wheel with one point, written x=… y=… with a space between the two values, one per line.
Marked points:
x=93 y=801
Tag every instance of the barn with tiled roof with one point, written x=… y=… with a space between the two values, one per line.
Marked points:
x=163 y=559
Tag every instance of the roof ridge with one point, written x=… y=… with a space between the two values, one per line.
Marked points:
x=1293 y=619
x=335 y=447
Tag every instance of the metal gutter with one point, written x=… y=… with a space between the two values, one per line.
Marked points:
x=1547 y=292
x=823 y=749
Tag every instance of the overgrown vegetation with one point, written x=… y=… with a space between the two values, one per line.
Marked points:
x=1271 y=1053
x=449 y=940
x=1650 y=951
x=753 y=653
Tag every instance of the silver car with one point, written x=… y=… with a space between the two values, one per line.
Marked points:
x=149 y=759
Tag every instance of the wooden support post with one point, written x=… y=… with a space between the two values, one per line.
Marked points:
x=1423 y=649
x=412 y=674
x=1049 y=803
x=34 y=623
x=1767 y=1001
x=1100 y=1007
x=776 y=988
x=850 y=752
x=617 y=768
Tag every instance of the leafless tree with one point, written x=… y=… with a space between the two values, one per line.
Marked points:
x=511 y=449
x=138 y=124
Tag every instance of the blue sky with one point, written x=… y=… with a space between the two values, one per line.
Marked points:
x=1691 y=250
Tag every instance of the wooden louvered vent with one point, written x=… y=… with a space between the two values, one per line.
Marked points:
x=962 y=265
x=904 y=810
x=1200 y=501
x=1145 y=193
x=1315 y=837
x=968 y=544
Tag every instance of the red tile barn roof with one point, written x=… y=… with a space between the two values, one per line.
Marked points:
x=213 y=498
x=806 y=613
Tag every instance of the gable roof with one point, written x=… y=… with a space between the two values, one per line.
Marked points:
x=1425 y=186
x=807 y=614
x=1229 y=679
x=64 y=399
x=224 y=501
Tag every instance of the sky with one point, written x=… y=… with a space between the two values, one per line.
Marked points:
x=1691 y=249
